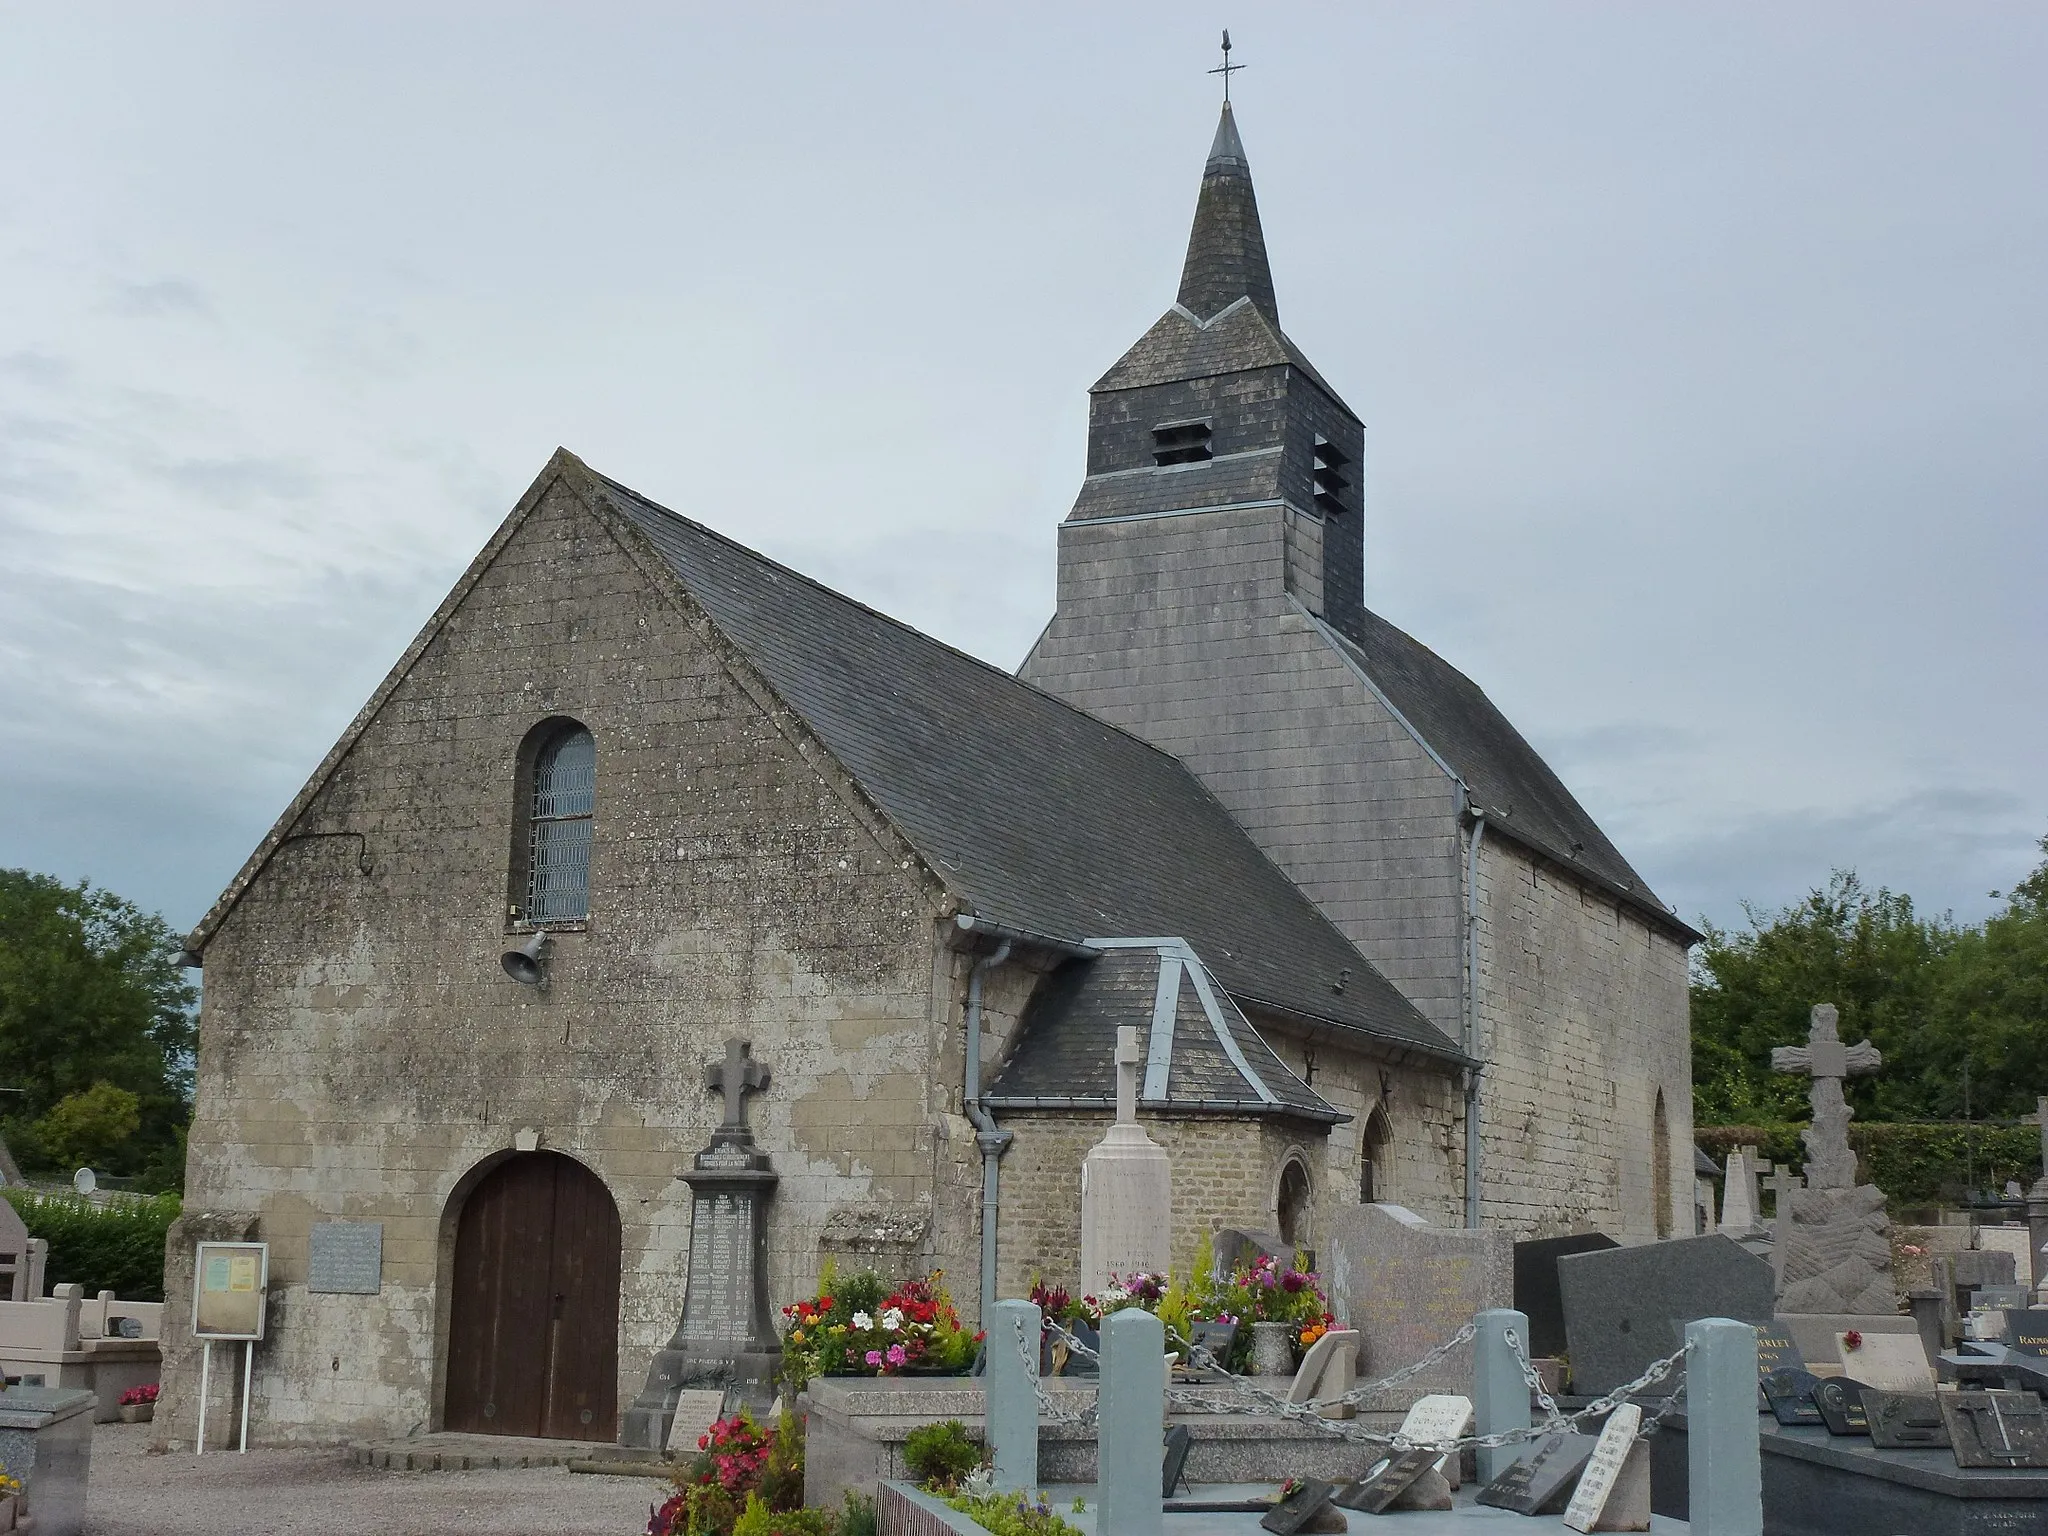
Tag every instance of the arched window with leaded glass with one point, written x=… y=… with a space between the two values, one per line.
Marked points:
x=560 y=803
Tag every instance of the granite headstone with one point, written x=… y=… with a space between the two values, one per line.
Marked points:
x=1407 y=1286
x=1623 y=1308
x=1536 y=1294
x=1541 y=1483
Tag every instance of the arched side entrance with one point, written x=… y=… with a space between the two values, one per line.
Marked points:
x=533 y=1321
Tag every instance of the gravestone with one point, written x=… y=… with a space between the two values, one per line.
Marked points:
x=1541 y=1484
x=1840 y=1402
x=1625 y=1307
x=1904 y=1421
x=1126 y=1187
x=1834 y=1252
x=1891 y=1362
x=2027 y=1331
x=1298 y=1507
x=1996 y=1429
x=1536 y=1294
x=1326 y=1371
x=1234 y=1250
x=1614 y=1490
x=345 y=1258
x=1739 y=1208
x=1407 y=1286
x=1435 y=1418
x=725 y=1339
x=1790 y=1396
x=1388 y=1478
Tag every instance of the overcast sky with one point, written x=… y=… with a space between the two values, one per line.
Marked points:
x=1703 y=353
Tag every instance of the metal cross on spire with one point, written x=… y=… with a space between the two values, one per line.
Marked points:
x=1226 y=69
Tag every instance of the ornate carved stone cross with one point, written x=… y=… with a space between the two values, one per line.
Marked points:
x=735 y=1077
x=1829 y=1162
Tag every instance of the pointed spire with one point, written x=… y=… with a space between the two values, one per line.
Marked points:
x=1227 y=249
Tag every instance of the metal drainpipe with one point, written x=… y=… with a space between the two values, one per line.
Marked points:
x=1472 y=1013
x=990 y=1137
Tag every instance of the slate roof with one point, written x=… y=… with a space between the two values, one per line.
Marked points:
x=1201 y=1053
x=1228 y=480
x=1227 y=252
x=1043 y=817
x=1522 y=797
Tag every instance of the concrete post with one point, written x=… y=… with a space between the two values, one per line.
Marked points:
x=1131 y=1426
x=1011 y=1384
x=1724 y=1461
x=1500 y=1392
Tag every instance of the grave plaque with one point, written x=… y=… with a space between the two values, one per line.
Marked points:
x=2027 y=1330
x=1298 y=1506
x=1891 y=1362
x=1996 y=1429
x=346 y=1258
x=1173 y=1470
x=1776 y=1350
x=1904 y=1421
x=1614 y=1491
x=1386 y=1480
x=1790 y=1394
x=1840 y=1402
x=1541 y=1484
x=1437 y=1417
x=725 y=1339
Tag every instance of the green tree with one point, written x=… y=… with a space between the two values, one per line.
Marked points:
x=1961 y=1013
x=91 y=1128
x=91 y=993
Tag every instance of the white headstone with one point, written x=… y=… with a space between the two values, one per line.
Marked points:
x=1439 y=1416
x=1326 y=1371
x=696 y=1411
x=1126 y=1187
x=1738 y=1194
x=1891 y=1362
x=1614 y=1490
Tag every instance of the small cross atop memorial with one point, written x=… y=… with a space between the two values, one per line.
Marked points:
x=1830 y=1164
x=735 y=1077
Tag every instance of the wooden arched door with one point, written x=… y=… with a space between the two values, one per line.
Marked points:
x=533 y=1326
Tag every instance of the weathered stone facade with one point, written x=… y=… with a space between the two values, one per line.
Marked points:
x=363 y=1057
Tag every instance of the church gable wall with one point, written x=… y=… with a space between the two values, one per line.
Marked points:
x=361 y=1050
x=1180 y=630
x=1584 y=1013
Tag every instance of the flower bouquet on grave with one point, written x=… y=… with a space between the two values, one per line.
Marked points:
x=138 y=1404
x=859 y=1327
x=1264 y=1292
x=739 y=1465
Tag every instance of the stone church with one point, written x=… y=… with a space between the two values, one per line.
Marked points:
x=1374 y=947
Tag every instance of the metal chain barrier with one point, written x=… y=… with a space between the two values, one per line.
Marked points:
x=1245 y=1398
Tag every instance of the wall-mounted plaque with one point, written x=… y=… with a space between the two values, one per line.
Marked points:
x=346 y=1258
x=228 y=1285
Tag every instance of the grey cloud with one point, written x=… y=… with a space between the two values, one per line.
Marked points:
x=166 y=296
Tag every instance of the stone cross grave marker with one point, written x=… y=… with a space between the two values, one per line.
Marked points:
x=1781 y=1184
x=726 y=1340
x=1830 y=1164
x=735 y=1077
x=1126 y=1187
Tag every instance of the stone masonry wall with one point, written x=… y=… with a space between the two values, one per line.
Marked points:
x=1584 y=1013
x=1180 y=629
x=361 y=1051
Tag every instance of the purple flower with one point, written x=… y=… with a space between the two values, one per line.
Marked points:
x=896 y=1355
x=874 y=1357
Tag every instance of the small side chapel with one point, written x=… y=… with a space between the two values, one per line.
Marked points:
x=638 y=803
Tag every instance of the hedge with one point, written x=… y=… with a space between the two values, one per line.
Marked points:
x=1917 y=1163
x=116 y=1247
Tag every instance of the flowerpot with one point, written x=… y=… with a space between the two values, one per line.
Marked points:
x=137 y=1413
x=1272 y=1349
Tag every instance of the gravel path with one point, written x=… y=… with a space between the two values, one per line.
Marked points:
x=322 y=1493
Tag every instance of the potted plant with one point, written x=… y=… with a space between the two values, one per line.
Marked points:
x=858 y=1326
x=138 y=1404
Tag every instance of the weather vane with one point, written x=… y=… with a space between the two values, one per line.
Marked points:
x=1226 y=69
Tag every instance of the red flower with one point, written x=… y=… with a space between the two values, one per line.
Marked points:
x=1852 y=1340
